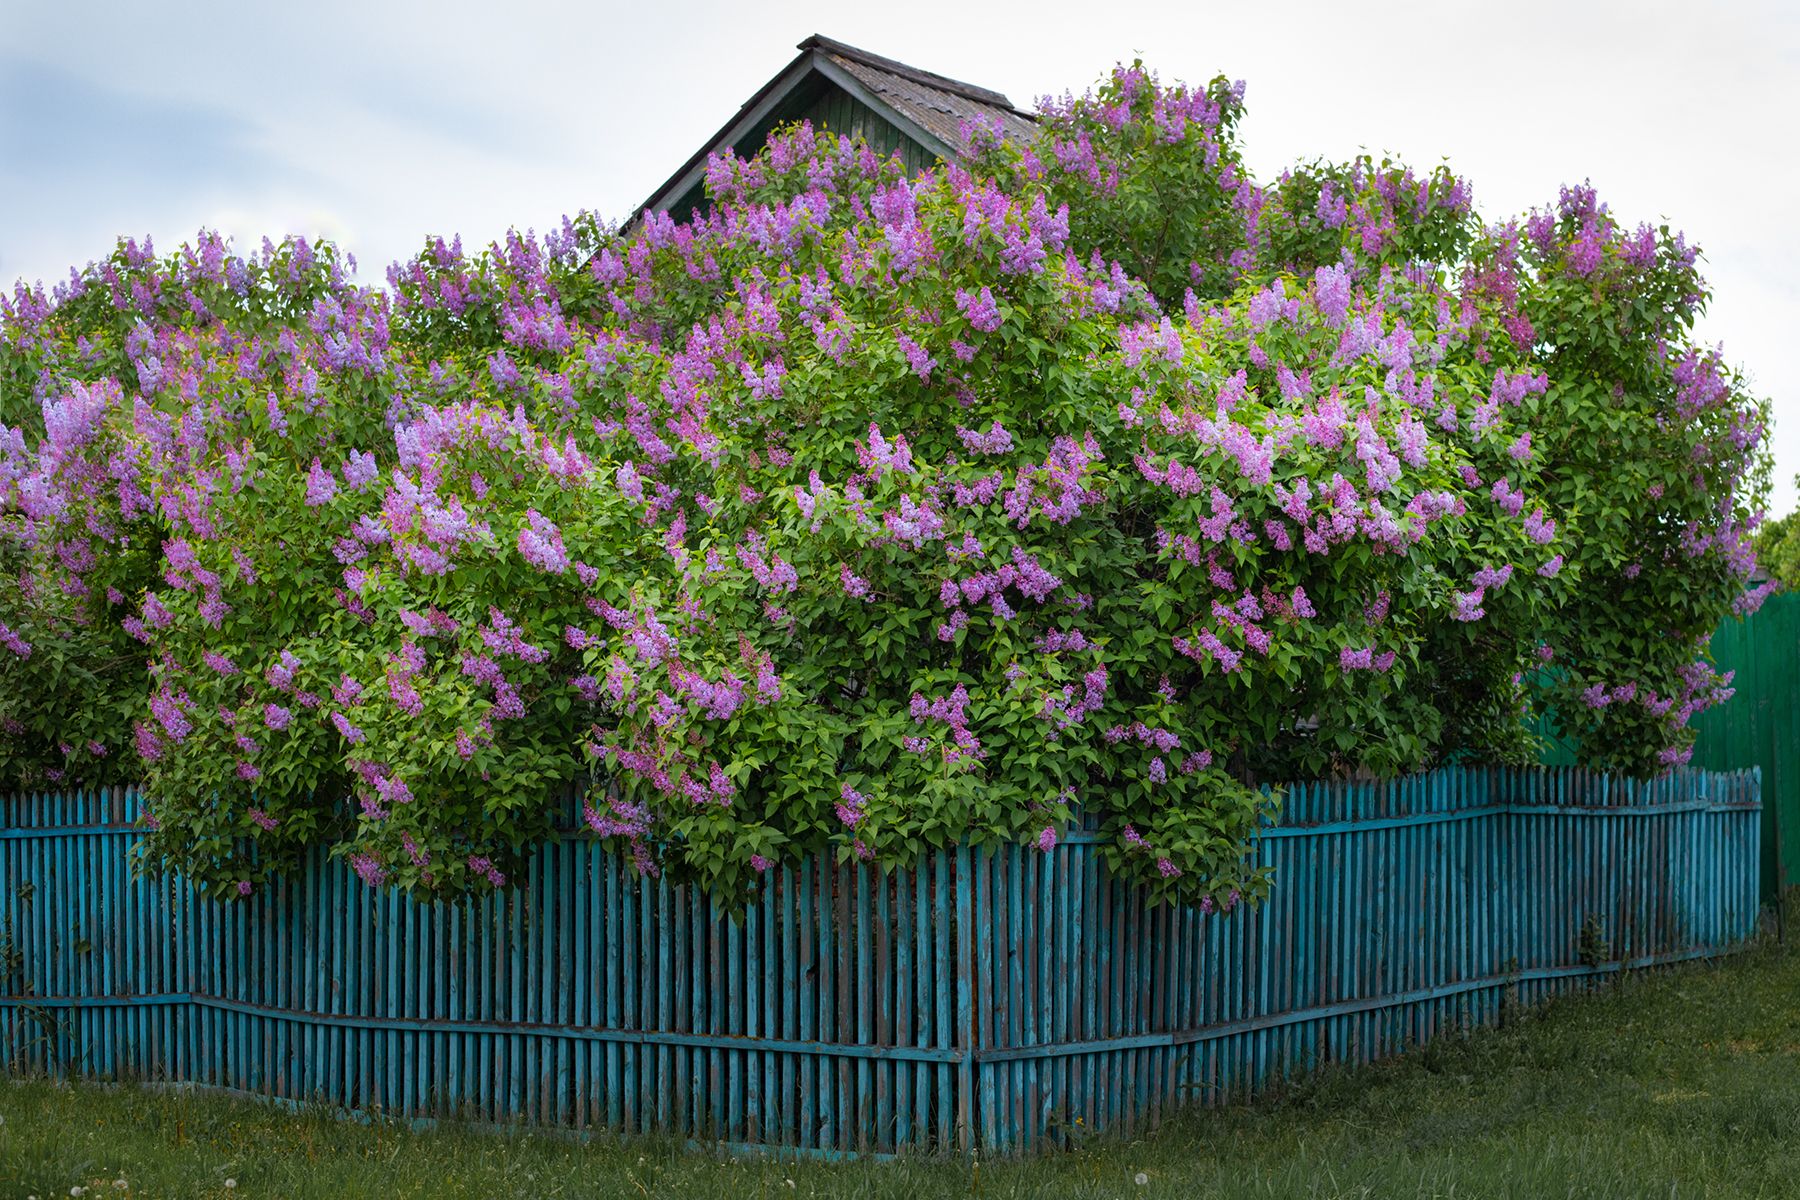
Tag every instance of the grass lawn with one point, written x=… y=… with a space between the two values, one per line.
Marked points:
x=1686 y=1083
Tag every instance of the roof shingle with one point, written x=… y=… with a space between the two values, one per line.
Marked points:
x=936 y=104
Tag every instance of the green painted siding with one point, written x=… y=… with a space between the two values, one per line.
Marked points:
x=831 y=108
x=838 y=112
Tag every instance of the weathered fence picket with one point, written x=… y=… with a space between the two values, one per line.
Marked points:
x=995 y=998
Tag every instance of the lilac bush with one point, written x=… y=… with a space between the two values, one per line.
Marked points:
x=866 y=512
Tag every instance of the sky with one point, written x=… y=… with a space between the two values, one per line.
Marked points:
x=379 y=123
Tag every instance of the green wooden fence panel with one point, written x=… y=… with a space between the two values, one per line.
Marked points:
x=994 y=999
x=1758 y=727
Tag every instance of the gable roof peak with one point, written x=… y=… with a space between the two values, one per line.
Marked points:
x=926 y=110
x=943 y=83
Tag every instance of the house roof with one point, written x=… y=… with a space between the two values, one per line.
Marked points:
x=927 y=107
x=934 y=103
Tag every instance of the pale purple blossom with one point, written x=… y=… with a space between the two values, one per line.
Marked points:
x=995 y=441
x=541 y=544
x=979 y=308
x=12 y=641
x=320 y=485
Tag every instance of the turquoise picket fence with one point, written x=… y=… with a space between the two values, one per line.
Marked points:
x=997 y=999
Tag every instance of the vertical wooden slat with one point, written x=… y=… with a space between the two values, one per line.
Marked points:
x=966 y=1038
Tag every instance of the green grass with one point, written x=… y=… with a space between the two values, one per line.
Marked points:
x=1684 y=1083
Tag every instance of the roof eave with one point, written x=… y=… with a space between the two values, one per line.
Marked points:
x=753 y=110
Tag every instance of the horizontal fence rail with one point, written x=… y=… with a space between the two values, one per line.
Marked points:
x=997 y=999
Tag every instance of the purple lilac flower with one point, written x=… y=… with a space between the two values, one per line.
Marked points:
x=979 y=308
x=1510 y=501
x=168 y=709
x=879 y=455
x=145 y=741
x=320 y=485
x=156 y=614
x=995 y=441
x=368 y=868
x=850 y=806
x=1750 y=601
x=281 y=675
x=1331 y=291
x=853 y=584
x=360 y=470
x=917 y=357
x=1267 y=305
x=346 y=691
x=541 y=544
x=630 y=484
x=12 y=641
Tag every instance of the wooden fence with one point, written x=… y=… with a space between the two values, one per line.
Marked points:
x=991 y=999
x=1758 y=727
